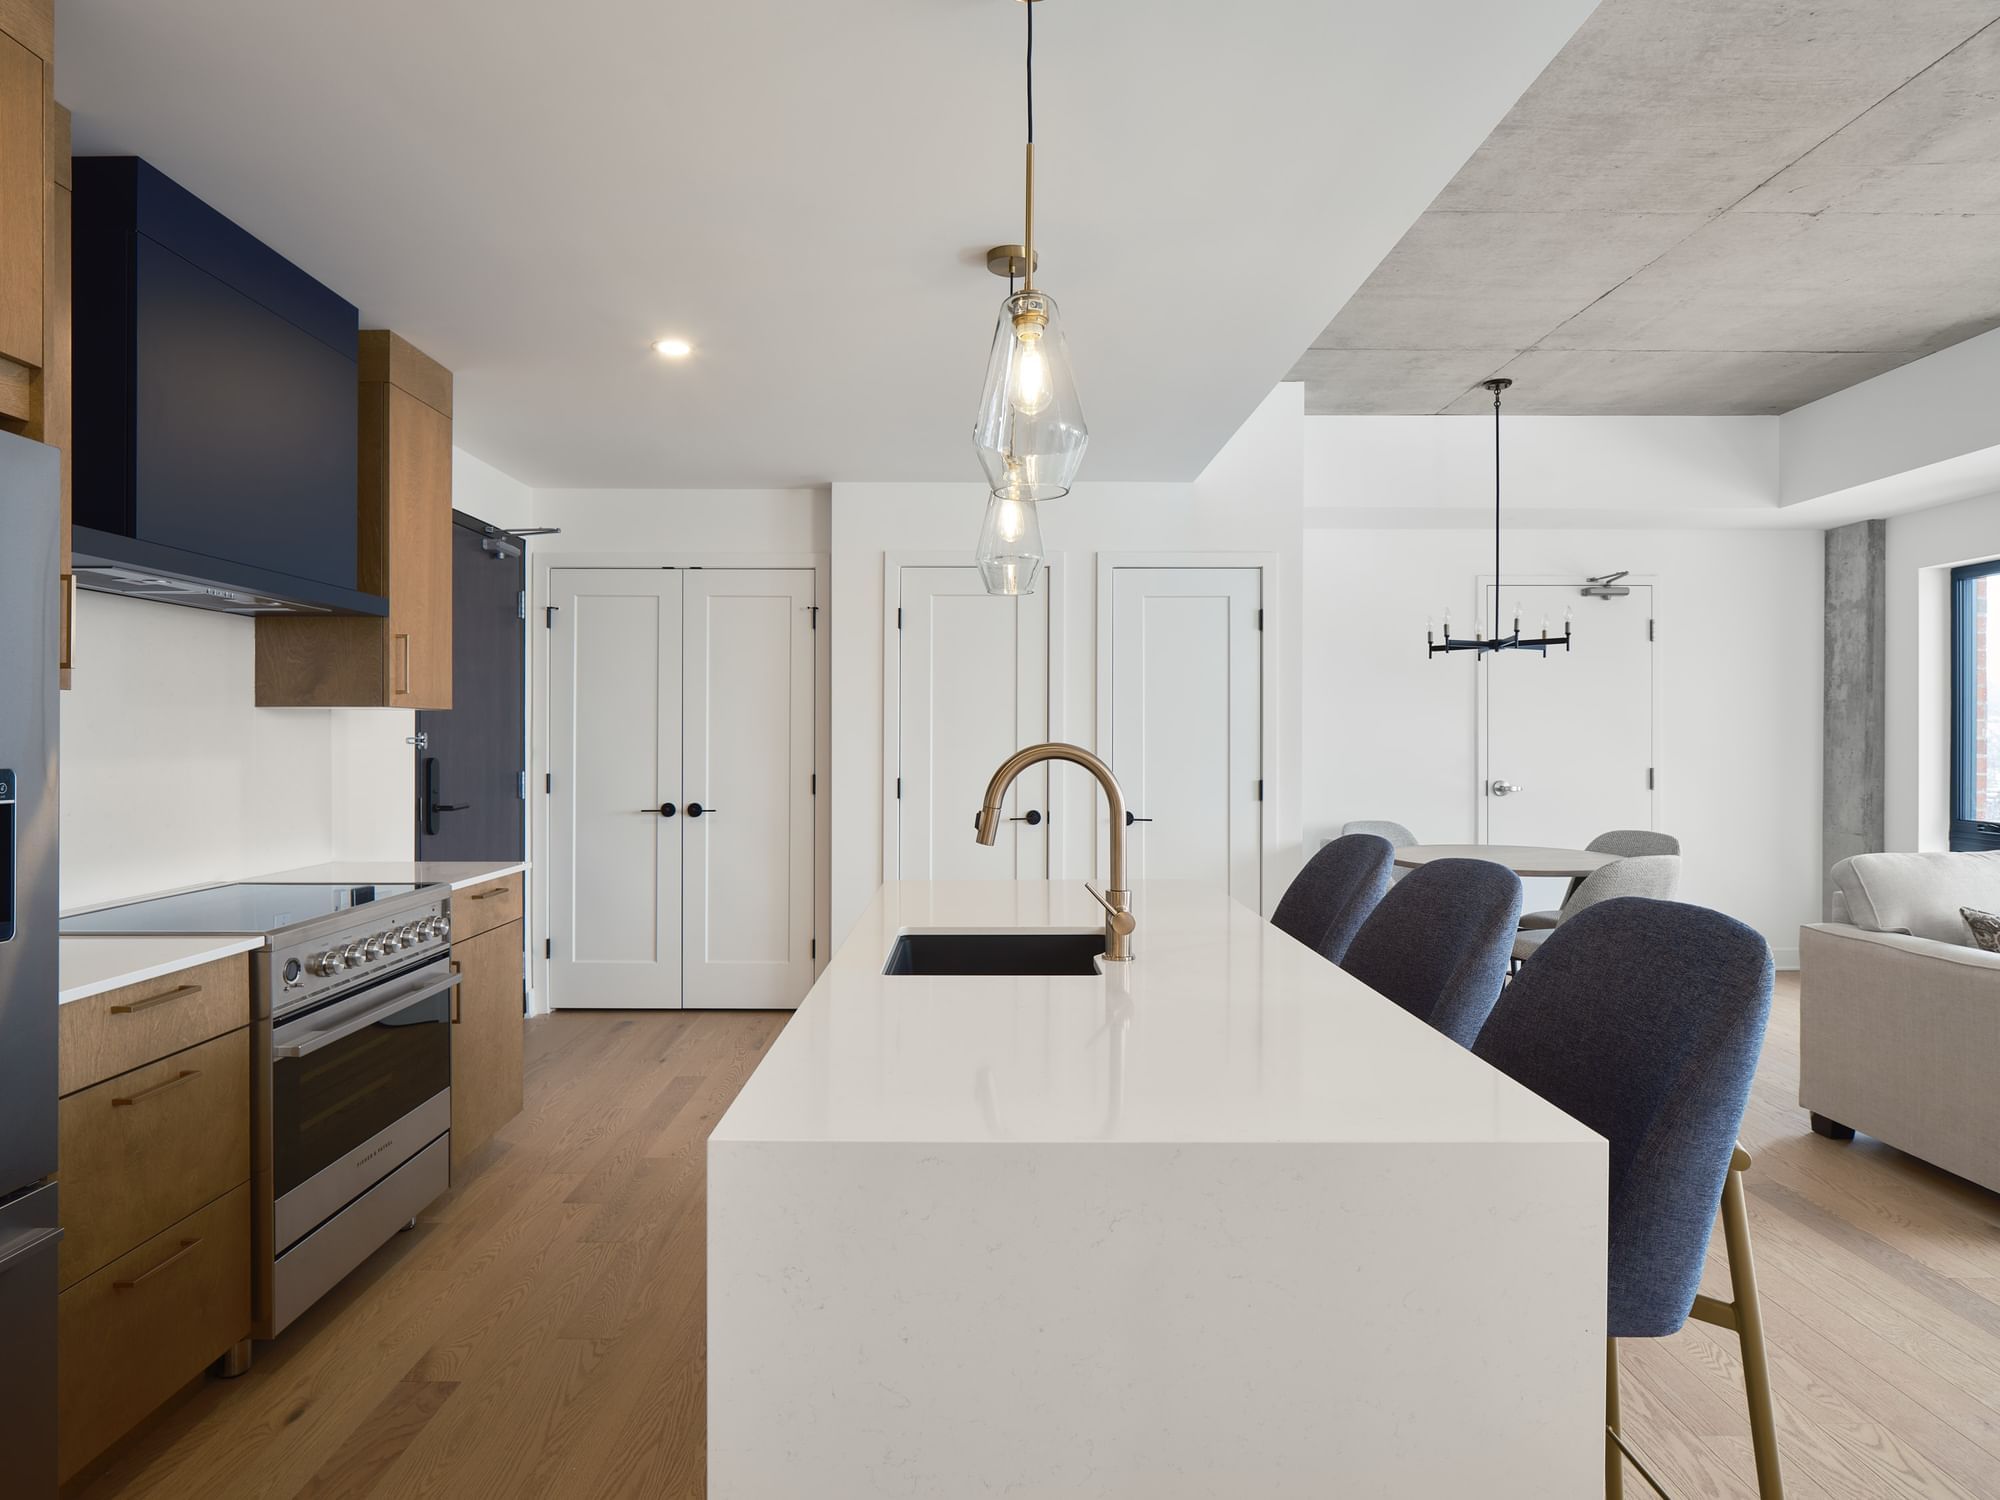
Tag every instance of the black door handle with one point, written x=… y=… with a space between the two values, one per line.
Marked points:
x=1031 y=817
x=1131 y=818
x=695 y=810
x=665 y=809
x=450 y=806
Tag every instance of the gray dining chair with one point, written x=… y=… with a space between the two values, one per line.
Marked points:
x=1656 y=876
x=1395 y=833
x=1437 y=944
x=1625 y=842
x=1643 y=1020
x=1329 y=899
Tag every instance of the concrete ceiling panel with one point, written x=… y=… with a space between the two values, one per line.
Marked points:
x=1670 y=382
x=1376 y=382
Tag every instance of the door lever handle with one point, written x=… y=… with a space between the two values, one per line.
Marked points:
x=696 y=810
x=1131 y=818
x=1031 y=817
x=450 y=806
x=664 y=810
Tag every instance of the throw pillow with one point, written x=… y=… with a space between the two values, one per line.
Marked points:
x=1985 y=927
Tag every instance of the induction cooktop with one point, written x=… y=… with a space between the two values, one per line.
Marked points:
x=249 y=907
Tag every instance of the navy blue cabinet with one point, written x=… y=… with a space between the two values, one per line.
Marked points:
x=215 y=400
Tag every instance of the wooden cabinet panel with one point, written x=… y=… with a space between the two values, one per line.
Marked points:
x=145 y=1149
x=418 y=507
x=141 y=1328
x=485 y=1039
x=403 y=547
x=484 y=907
x=112 y=1033
x=24 y=189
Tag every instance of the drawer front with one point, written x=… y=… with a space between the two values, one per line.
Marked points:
x=120 y=1030
x=144 y=1150
x=481 y=908
x=137 y=1331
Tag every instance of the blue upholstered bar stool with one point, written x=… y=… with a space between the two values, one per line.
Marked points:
x=1332 y=896
x=1643 y=1020
x=1438 y=943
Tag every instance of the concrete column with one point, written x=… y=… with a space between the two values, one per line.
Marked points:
x=1851 y=820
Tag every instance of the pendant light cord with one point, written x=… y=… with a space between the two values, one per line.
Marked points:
x=1031 y=71
x=1496 y=516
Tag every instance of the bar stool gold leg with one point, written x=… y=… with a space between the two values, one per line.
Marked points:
x=1614 y=1461
x=1750 y=1330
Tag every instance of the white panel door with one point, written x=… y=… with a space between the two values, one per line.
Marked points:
x=973 y=687
x=747 y=821
x=1570 y=735
x=615 y=756
x=1187 y=723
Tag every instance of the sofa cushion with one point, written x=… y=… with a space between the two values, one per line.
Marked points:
x=1918 y=893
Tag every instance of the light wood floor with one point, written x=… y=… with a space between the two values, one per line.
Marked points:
x=540 y=1333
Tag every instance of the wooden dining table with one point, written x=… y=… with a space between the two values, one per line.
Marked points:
x=1527 y=860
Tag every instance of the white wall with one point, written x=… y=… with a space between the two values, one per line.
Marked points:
x=1922 y=549
x=1247 y=501
x=1392 y=734
x=172 y=776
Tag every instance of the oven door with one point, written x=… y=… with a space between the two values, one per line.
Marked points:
x=358 y=1087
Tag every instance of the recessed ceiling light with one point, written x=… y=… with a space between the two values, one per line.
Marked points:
x=673 y=348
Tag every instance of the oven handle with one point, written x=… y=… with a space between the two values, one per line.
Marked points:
x=362 y=1022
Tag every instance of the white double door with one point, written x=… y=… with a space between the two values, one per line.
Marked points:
x=1185 y=721
x=681 y=752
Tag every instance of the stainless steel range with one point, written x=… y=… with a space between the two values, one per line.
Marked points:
x=350 y=1066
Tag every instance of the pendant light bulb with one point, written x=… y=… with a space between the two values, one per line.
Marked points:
x=1029 y=386
x=1010 y=519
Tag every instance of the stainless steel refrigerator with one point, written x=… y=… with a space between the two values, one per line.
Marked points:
x=30 y=501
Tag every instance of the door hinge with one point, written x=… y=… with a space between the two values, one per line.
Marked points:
x=1260 y=789
x=813 y=610
x=1649 y=778
x=1260 y=619
x=899 y=789
x=548 y=947
x=549 y=782
x=899 y=617
x=1649 y=630
x=523 y=784
x=549 y=616
x=521 y=605
x=812 y=948
x=813 y=784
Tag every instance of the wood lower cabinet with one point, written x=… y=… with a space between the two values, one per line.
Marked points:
x=404 y=537
x=154 y=1162
x=485 y=1038
x=138 y=1330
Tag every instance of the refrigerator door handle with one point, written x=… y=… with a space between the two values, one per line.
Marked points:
x=25 y=1244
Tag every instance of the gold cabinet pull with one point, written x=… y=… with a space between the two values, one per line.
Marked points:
x=135 y=1006
x=159 y=1088
x=145 y=1276
x=67 y=657
x=489 y=894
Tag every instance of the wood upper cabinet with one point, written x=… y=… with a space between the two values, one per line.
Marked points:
x=404 y=534
x=24 y=193
x=486 y=1037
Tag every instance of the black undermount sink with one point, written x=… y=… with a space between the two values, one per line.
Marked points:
x=995 y=953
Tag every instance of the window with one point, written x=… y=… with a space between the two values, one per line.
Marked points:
x=1975 y=706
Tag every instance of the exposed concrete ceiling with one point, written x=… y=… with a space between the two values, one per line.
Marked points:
x=533 y=193
x=1702 y=207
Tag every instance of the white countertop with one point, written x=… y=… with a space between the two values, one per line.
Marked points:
x=91 y=965
x=458 y=874
x=1222 y=1030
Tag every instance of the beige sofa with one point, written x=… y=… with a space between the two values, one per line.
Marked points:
x=1899 y=1014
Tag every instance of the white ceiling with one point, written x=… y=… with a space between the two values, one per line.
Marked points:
x=532 y=193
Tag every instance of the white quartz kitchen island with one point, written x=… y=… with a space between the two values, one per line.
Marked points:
x=1221 y=1223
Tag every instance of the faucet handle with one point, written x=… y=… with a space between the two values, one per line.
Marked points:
x=1120 y=919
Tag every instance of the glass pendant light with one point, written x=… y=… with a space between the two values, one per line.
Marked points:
x=1010 y=546
x=1030 y=431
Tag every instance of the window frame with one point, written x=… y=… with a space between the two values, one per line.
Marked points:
x=1966 y=833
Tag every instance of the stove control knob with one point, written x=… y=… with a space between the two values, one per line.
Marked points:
x=410 y=936
x=351 y=956
x=438 y=927
x=322 y=963
x=377 y=947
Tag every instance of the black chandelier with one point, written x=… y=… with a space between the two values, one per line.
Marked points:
x=1513 y=641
